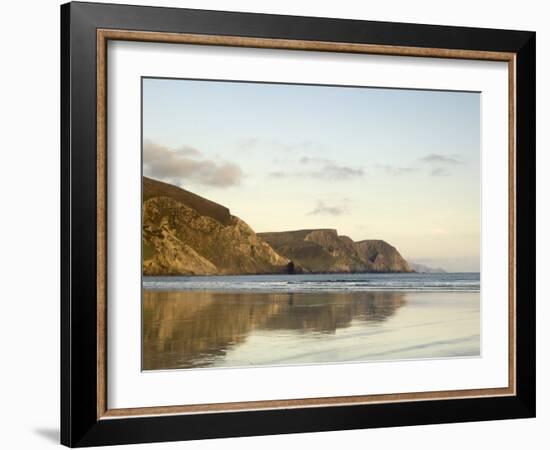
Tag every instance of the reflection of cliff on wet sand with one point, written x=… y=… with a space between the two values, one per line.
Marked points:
x=190 y=329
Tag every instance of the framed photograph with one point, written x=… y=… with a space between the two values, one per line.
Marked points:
x=278 y=224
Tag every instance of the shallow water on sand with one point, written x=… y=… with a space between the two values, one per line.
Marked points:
x=205 y=328
x=326 y=282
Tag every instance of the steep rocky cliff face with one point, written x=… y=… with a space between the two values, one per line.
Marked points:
x=185 y=234
x=381 y=256
x=325 y=251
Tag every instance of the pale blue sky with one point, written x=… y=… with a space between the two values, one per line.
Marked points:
x=392 y=164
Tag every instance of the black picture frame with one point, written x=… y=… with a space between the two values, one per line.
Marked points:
x=80 y=425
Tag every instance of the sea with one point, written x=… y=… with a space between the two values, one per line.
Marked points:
x=200 y=322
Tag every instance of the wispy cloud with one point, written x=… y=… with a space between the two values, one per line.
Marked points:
x=329 y=170
x=436 y=158
x=395 y=170
x=439 y=172
x=334 y=172
x=441 y=165
x=187 y=150
x=330 y=210
x=187 y=164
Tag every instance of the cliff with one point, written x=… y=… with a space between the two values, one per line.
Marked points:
x=323 y=250
x=185 y=234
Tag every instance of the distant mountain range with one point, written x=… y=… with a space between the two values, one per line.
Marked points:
x=185 y=234
x=421 y=268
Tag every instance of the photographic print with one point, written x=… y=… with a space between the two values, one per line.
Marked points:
x=289 y=224
x=312 y=201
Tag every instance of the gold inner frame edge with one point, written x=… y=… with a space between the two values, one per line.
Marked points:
x=104 y=35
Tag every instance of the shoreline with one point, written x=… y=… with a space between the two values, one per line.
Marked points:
x=312 y=291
